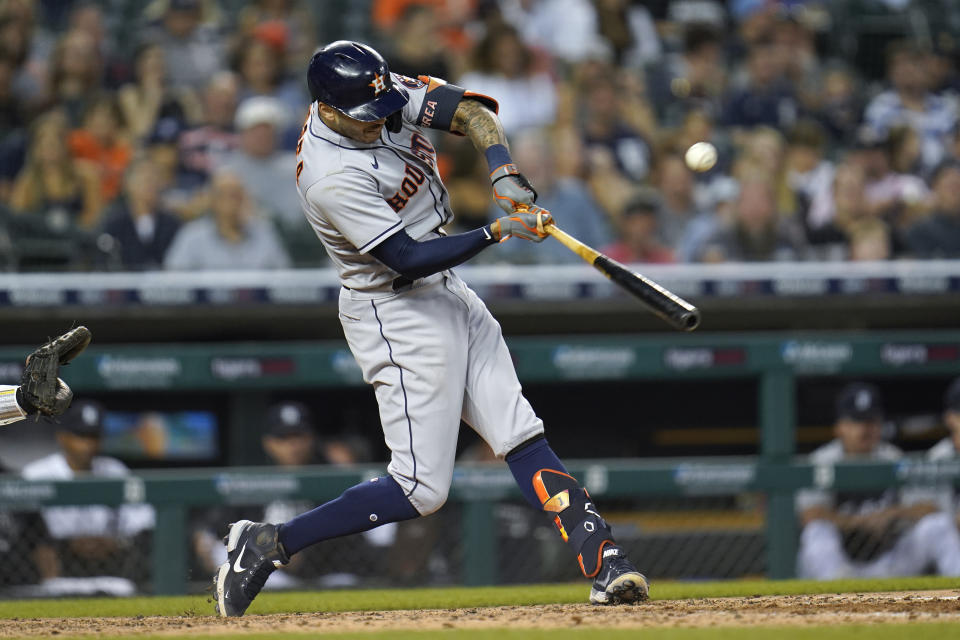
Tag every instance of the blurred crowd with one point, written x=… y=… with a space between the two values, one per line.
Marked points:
x=161 y=134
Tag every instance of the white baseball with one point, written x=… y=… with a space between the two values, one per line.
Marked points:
x=701 y=156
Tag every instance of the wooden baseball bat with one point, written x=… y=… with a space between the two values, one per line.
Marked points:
x=672 y=308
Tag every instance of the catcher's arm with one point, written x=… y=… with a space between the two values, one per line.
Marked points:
x=41 y=391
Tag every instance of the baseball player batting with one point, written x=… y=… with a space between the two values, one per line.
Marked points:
x=369 y=185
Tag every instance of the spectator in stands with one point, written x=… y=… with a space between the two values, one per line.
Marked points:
x=13 y=120
x=414 y=48
x=904 y=148
x=894 y=197
x=142 y=230
x=95 y=545
x=795 y=44
x=692 y=80
x=639 y=240
x=555 y=172
x=231 y=237
x=13 y=115
x=869 y=533
x=677 y=207
x=102 y=142
x=75 y=75
x=52 y=182
x=193 y=51
x=18 y=35
x=605 y=109
x=808 y=172
x=840 y=104
x=264 y=168
x=180 y=193
x=910 y=102
x=938 y=235
x=629 y=29
x=764 y=154
x=150 y=97
x=203 y=147
x=292 y=21
x=89 y=16
x=757 y=232
x=504 y=67
x=768 y=97
x=848 y=206
x=259 y=63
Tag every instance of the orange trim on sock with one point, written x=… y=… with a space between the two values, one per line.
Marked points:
x=563 y=532
x=599 y=560
x=541 y=490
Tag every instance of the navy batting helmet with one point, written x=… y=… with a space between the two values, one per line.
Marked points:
x=354 y=79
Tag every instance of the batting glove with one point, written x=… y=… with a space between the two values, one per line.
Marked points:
x=526 y=222
x=511 y=189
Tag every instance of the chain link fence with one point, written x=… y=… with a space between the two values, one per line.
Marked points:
x=679 y=538
x=41 y=559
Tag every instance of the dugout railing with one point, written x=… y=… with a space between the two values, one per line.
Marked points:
x=246 y=372
x=479 y=488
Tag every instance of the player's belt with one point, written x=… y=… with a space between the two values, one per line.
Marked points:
x=401 y=282
x=397 y=284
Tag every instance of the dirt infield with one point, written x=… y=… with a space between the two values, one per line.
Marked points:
x=865 y=608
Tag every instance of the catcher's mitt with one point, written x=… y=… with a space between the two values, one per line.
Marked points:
x=40 y=388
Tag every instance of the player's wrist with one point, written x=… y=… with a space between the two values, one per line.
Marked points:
x=499 y=162
x=493 y=231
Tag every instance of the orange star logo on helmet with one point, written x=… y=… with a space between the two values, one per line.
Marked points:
x=378 y=84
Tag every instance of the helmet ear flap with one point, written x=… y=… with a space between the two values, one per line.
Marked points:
x=395 y=122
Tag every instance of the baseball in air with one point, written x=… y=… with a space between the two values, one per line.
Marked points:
x=701 y=156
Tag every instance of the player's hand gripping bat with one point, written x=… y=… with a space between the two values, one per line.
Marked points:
x=672 y=308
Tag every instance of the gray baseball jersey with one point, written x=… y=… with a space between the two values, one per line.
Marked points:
x=431 y=349
x=356 y=195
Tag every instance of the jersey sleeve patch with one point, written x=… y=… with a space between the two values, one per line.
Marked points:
x=410 y=83
x=439 y=104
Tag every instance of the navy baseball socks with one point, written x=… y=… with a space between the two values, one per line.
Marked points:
x=546 y=485
x=256 y=549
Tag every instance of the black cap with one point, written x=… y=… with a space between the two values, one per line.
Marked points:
x=860 y=402
x=951 y=399
x=83 y=418
x=289 y=419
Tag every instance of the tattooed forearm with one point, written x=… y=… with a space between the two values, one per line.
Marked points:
x=478 y=123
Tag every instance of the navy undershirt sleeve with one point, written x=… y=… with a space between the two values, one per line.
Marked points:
x=413 y=259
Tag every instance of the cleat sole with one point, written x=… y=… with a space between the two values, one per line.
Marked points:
x=630 y=588
x=218 y=580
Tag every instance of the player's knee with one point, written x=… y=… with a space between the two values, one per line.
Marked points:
x=934 y=526
x=429 y=499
